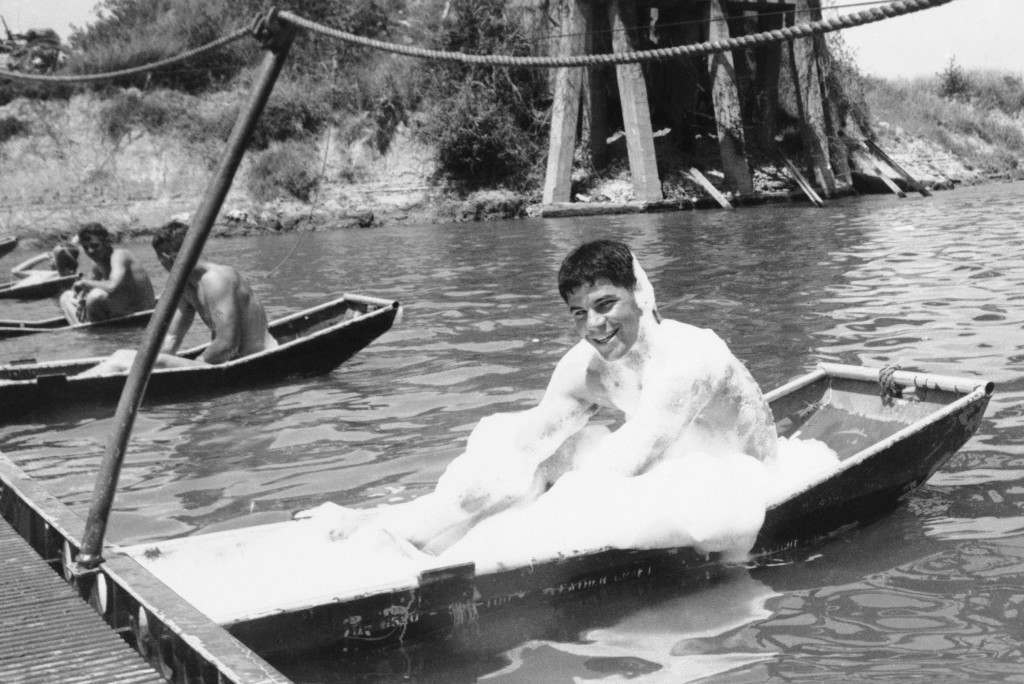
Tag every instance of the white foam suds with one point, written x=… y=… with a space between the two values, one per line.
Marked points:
x=712 y=501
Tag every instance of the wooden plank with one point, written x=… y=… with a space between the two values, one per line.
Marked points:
x=883 y=176
x=193 y=648
x=911 y=181
x=802 y=182
x=48 y=633
x=565 y=109
x=636 y=112
x=725 y=95
x=701 y=180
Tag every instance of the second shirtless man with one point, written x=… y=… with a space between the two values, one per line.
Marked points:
x=222 y=299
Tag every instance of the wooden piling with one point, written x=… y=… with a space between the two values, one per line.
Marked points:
x=725 y=94
x=807 y=87
x=636 y=112
x=565 y=108
x=769 y=63
x=595 y=128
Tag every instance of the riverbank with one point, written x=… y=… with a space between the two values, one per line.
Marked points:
x=63 y=168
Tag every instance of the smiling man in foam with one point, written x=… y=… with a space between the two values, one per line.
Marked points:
x=685 y=398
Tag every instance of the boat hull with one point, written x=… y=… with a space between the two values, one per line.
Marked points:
x=7 y=245
x=896 y=444
x=313 y=342
x=16 y=328
x=15 y=289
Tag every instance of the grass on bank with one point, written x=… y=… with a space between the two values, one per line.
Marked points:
x=976 y=115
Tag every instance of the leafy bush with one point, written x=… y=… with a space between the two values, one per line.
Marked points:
x=284 y=169
x=12 y=127
x=487 y=123
x=130 y=33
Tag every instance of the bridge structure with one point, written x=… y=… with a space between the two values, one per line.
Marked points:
x=734 y=95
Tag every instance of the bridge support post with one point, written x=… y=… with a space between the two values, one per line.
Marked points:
x=595 y=100
x=769 y=62
x=636 y=112
x=810 y=102
x=566 y=106
x=725 y=94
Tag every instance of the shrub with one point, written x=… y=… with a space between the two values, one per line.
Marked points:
x=130 y=33
x=486 y=123
x=953 y=82
x=12 y=127
x=284 y=169
x=130 y=110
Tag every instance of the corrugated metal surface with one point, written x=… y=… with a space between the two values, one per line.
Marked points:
x=49 y=634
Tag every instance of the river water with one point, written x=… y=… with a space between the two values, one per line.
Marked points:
x=933 y=591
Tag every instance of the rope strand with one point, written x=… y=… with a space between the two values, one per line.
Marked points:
x=897 y=8
x=141 y=69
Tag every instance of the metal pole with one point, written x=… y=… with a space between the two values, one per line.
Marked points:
x=278 y=39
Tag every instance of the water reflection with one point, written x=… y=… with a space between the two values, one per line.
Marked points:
x=934 y=284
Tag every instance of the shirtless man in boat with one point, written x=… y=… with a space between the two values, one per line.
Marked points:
x=222 y=299
x=678 y=387
x=119 y=284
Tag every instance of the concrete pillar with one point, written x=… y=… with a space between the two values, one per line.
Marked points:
x=636 y=113
x=725 y=94
x=566 y=105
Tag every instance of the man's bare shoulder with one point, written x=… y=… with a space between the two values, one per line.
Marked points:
x=122 y=255
x=684 y=353
x=218 y=278
x=673 y=333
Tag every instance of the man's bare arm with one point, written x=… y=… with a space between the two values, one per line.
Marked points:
x=666 y=410
x=180 y=323
x=119 y=269
x=502 y=457
x=219 y=293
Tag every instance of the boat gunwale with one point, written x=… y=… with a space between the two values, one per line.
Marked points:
x=15 y=286
x=981 y=389
x=53 y=324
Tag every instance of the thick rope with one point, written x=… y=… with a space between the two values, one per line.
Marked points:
x=897 y=8
x=141 y=69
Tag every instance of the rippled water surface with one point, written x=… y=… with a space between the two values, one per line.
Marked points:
x=932 y=592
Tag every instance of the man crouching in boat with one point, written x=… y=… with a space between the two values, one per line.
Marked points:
x=118 y=286
x=679 y=388
x=223 y=300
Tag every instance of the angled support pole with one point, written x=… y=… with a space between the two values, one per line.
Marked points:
x=276 y=37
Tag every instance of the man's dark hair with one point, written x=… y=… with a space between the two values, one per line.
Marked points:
x=168 y=238
x=65 y=258
x=598 y=259
x=93 y=230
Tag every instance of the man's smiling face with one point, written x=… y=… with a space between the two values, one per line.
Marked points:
x=606 y=316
